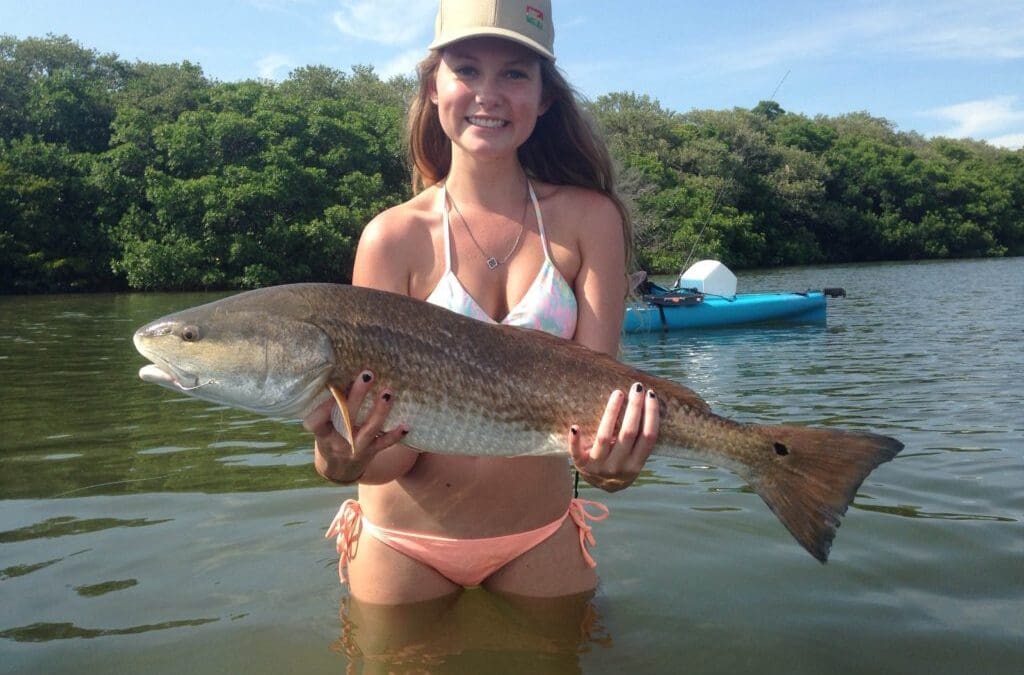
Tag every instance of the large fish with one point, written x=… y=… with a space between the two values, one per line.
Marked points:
x=468 y=387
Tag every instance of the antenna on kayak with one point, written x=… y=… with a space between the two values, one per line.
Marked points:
x=707 y=221
x=718 y=197
x=779 y=86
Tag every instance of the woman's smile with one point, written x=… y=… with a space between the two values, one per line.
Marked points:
x=487 y=122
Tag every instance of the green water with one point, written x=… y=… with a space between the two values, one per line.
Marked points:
x=143 y=532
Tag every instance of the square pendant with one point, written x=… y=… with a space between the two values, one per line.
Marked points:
x=492 y=263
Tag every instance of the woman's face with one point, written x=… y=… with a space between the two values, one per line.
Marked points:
x=488 y=94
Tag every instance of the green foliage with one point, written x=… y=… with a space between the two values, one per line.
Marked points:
x=769 y=187
x=151 y=176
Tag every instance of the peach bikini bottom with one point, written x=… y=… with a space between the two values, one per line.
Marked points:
x=466 y=562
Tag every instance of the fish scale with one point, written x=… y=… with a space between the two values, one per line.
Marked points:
x=473 y=388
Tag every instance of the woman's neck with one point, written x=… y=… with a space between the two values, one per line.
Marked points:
x=494 y=185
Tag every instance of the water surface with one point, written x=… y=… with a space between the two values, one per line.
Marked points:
x=143 y=532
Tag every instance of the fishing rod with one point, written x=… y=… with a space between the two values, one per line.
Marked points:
x=718 y=196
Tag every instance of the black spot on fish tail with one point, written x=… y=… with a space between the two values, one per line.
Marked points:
x=811 y=490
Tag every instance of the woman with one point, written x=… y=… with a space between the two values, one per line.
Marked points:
x=516 y=220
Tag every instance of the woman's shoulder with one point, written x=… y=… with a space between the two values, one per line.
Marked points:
x=408 y=219
x=391 y=247
x=579 y=211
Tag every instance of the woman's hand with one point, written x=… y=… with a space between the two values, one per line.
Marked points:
x=334 y=458
x=615 y=459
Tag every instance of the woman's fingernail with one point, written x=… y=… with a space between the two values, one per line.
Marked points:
x=574 y=430
x=650 y=394
x=639 y=387
x=367 y=376
x=386 y=396
x=405 y=431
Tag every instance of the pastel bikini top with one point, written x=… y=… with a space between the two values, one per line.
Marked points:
x=549 y=304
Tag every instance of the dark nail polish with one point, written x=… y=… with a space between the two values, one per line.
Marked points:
x=386 y=396
x=639 y=387
x=650 y=394
x=574 y=431
x=405 y=431
x=367 y=377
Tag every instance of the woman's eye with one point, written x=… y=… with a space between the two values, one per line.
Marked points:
x=465 y=71
x=517 y=75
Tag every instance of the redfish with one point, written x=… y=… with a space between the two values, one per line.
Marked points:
x=472 y=388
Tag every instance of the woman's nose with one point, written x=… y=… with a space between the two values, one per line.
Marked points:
x=487 y=93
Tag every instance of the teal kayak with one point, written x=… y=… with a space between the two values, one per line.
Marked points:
x=663 y=309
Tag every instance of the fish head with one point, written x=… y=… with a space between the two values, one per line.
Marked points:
x=237 y=354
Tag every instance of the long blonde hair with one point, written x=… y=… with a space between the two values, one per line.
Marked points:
x=564 y=148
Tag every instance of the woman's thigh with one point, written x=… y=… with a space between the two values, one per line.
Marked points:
x=553 y=568
x=379 y=574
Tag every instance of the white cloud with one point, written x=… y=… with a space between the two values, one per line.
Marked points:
x=969 y=42
x=995 y=119
x=402 y=64
x=389 y=22
x=833 y=35
x=935 y=30
x=966 y=30
x=1009 y=141
x=270 y=64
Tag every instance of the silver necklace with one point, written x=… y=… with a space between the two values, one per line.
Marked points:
x=492 y=262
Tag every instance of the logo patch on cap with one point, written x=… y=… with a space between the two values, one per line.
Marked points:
x=535 y=16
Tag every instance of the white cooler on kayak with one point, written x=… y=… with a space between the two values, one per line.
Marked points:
x=711 y=277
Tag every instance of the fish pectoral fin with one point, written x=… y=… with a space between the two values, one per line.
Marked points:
x=340 y=417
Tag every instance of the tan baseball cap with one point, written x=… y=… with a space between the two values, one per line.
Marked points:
x=527 y=22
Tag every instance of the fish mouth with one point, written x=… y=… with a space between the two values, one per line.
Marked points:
x=168 y=377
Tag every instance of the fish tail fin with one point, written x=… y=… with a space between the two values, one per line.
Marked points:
x=815 y=475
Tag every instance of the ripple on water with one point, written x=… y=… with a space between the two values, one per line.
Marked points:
x=165 y=450
x=299 y=458
x=249 y=445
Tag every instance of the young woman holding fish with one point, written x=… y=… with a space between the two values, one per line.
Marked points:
x=516 y=221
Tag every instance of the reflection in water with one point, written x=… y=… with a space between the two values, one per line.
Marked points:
x=94 y=590
x=22 y=570
x=917 y=512
x=65 y=525
x=45 y=632
x=471 y=631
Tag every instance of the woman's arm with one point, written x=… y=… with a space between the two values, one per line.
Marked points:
x=629 y=427
x=382 y=263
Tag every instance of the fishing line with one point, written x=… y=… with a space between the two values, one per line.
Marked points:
x=202 y=384
x=116 y=482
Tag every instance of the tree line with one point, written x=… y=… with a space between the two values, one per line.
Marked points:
x=118 y=175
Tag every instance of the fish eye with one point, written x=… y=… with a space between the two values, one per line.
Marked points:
x=190 y=333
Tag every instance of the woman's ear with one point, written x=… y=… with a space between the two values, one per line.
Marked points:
x=545 y=104
x=432 y=91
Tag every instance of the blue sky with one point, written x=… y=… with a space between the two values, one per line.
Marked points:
x=939 y=67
